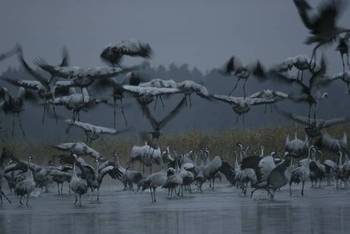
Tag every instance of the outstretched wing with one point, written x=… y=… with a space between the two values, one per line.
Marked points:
x=335 y=121
x=232 y=65
x=27 y=84
x=155 y=124
x=173 y=113
x=36 y=75
x=304 y=8
x=65 y=58
x=296 y=118
x=227 y=99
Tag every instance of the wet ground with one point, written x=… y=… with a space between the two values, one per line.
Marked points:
x=224 y=210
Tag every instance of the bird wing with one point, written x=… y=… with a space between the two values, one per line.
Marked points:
x=173 y=113
x=149 y=91
x=318 y=75
x=199 y=89
x=228 y=171
x=299 y=119
x=329 y=12
x=256 y=94
x=232 y=65
x=304 y=8
x=335 y=121
x=155 y=124
x=258 y=101
x=228 y=99
x=65 y=58
x=36 y=75
x=281 y=94
x=27 y=84
x=257 y=70
x=104 y=171
x=9 y=53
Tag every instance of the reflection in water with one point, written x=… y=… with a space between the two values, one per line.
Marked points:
x=212 y=212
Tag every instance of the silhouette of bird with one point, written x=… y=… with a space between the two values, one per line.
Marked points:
x=322 y=23
x=309 y=90
x=26 y=186
x=155 y=180
x=278 y=177
x=234 y=67
x=242 y=105
x=13 y=105
x=78 y=186
x=114 y=53
x=78 y=148
x=313 y=129
x=296 y=147
x=92 y=132
x=157 y=125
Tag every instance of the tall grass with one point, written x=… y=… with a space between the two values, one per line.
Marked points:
x=222 y=143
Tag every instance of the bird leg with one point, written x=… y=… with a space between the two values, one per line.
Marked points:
x=315 y=112
x=252 y=192
x=302 y=187
x=237 y=119
x=150 y=189
x=161 y=100
x=80 y=200
x=44 y=113
x=123 y=113
x=54 y=113
x=76 y=200
x=343 y=63
x=244 y=88
x=155 y=104
x=188 y=101
x=154 y=194
x=243 y=121
x=302 y=75
x=3 y=194
x=348 y=60
x=234 y=87
x=13 y=126
x=313 y=57
x=74 y=116
x=27 y=200
x=20 y=125
x=309 y=114
x=114 y=112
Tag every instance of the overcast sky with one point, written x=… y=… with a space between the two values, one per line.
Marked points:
x=201 y=33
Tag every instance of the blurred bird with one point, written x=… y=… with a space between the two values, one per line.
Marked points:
x=234 y=67
x=322 y=22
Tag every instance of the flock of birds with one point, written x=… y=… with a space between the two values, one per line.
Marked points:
x=71 y=87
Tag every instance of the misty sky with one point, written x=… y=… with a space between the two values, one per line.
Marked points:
x=200 y=33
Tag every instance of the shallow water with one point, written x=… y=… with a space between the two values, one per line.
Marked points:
x=221 y=211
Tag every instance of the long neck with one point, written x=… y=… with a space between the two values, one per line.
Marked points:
x=74 y=171
x=262 y=151
x=340 y=160
x=309 y=153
